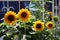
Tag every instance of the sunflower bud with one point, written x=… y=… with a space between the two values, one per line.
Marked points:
x=55 y=18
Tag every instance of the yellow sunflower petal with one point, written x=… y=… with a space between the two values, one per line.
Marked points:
x=24 y=15
x=38 y=26
x=10 y=18
x=50 y=13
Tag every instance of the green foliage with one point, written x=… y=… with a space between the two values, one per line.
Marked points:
x=24 y=30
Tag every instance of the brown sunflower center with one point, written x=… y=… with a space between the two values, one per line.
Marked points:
x=10 y=17
x=38 y=26
x=23 y=14
x=50 y=25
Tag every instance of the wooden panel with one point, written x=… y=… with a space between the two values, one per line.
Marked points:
x=15 y=0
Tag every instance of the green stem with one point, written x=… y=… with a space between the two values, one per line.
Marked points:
x=24 y=28
x=55 y=30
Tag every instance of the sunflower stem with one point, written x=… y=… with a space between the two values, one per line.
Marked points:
x=24 y=35
x=55 y=30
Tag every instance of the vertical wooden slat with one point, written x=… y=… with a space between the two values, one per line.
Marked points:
x=56 y=7
x=53 y=7
x=43 y=8
x=19 y=5
x=7 y=5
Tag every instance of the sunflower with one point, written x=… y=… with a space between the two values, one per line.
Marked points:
x=23 y=15
x=10 y=18
x=50 y=15
x=49 y=25
x=38 y=26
